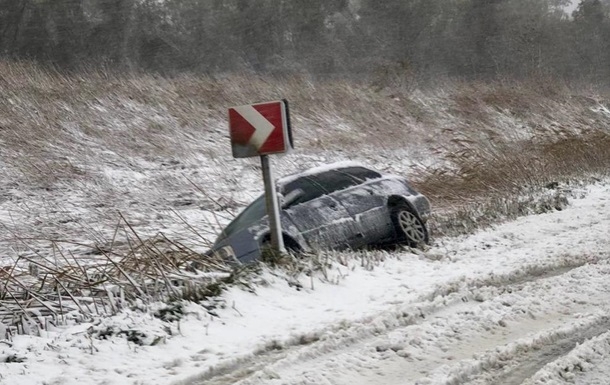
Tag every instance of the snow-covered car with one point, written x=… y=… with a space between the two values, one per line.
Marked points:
x=337 y=206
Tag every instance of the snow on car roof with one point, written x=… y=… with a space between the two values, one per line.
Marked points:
x=320 y=169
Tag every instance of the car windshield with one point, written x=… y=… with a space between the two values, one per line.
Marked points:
x=251 y=214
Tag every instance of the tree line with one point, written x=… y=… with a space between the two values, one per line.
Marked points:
x=424 y=38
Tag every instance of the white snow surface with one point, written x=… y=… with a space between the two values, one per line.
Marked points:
x=525 y=302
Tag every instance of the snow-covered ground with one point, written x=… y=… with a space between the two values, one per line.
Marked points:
x=524 y=302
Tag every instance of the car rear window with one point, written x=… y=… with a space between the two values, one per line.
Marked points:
x=332 y=181
x=361 y=173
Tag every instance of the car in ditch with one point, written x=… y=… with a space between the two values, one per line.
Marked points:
x=343 y=205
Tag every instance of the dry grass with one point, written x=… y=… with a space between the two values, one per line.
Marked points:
x=50 y=118
x=480 y=171
x=36 y=292
x=490 y=184
x=486 y=152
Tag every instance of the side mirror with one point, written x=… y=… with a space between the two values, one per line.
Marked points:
x=288 y=199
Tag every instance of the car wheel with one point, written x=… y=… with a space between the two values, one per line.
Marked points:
x=410 y=229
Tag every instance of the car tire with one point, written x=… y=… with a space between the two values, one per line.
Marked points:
x=409 y=227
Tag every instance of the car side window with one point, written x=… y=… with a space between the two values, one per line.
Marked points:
x=332 y=181
x=309 y=190
x=361 y=173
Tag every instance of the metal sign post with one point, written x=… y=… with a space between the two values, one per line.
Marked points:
x=273 y=210
x=259 y=130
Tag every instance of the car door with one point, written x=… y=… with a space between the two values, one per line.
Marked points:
x=366 y=205
x=337 y=185
x=320 y=219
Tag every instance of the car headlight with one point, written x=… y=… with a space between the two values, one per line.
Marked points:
x=225 y=252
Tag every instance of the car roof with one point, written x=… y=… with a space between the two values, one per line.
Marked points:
x=319 y=170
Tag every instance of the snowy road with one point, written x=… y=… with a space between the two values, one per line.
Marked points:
x=500 y=334
x=526 y=295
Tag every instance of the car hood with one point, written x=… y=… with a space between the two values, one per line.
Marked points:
x=245 y=246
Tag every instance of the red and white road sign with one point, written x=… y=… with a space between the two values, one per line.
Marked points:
x=260 y=129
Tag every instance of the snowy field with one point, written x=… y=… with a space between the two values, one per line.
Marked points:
x=525 y=302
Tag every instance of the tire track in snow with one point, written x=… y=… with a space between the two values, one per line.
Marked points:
x=532 y=359
x=458 y=344
x=447 y=298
